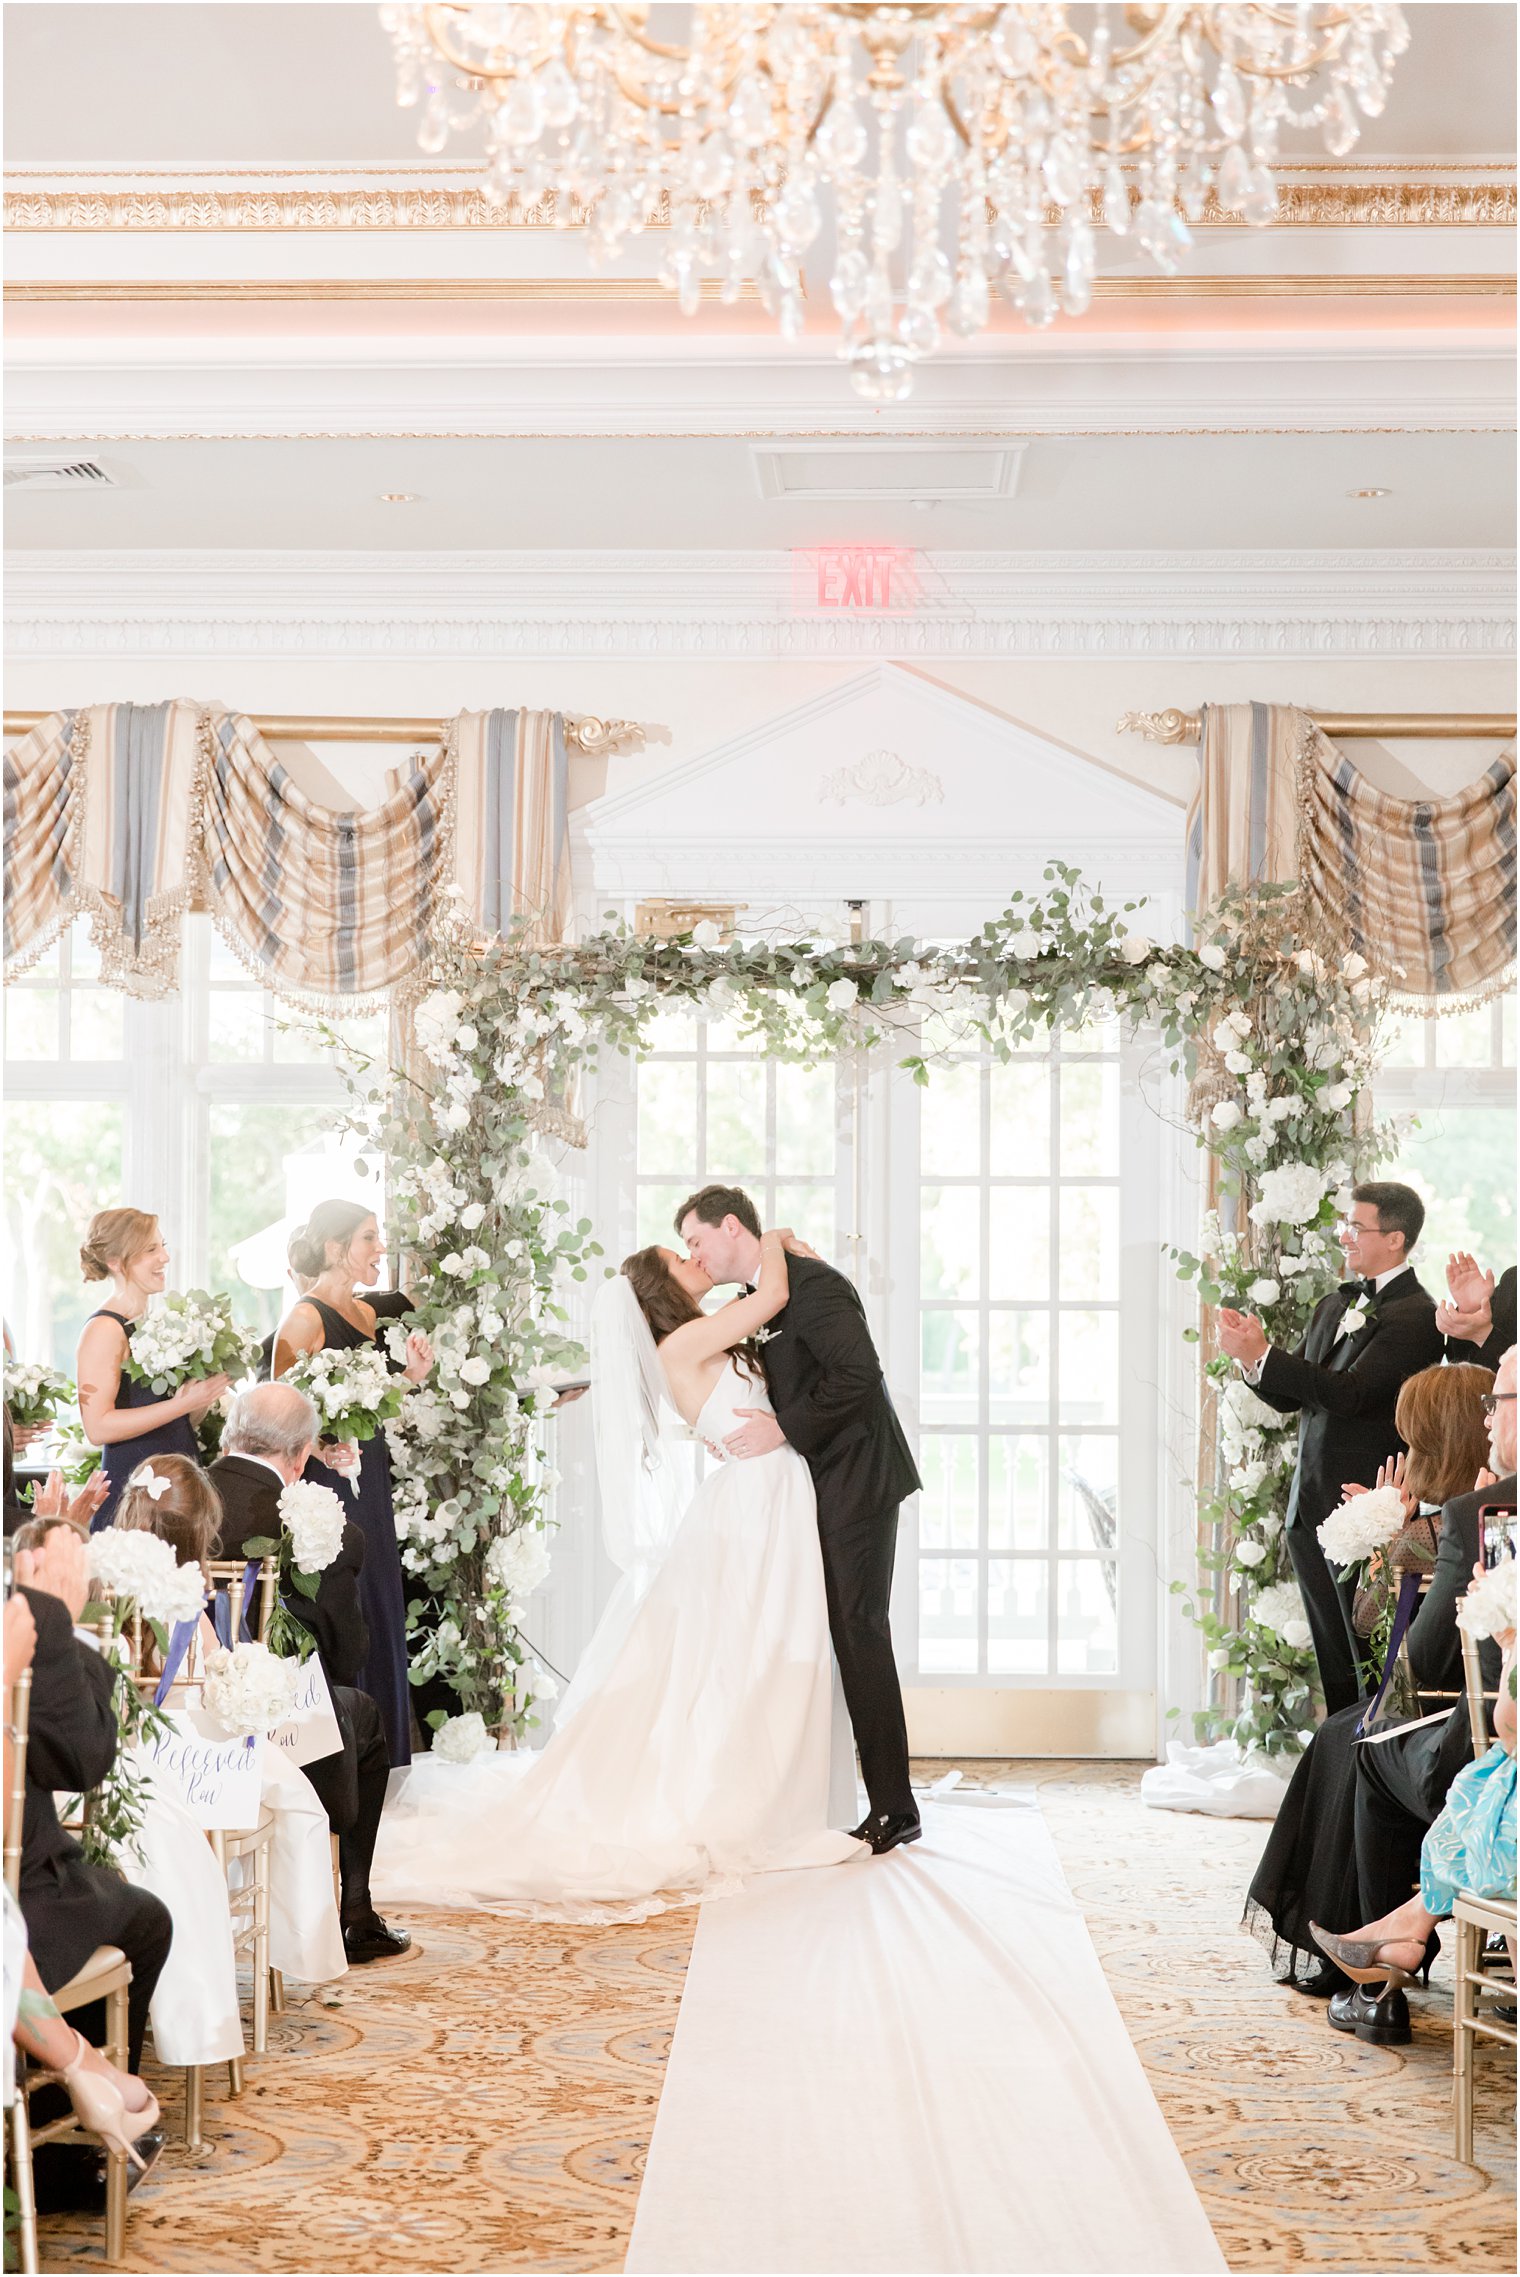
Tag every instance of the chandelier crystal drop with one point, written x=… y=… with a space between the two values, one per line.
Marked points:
x=922 y=158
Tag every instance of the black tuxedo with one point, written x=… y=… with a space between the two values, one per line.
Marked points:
x=352 y=1783
x=71 y=1907
x=1346 y=1389
x=1501 y=1335
x=832 y=1402
x=1402 y=1783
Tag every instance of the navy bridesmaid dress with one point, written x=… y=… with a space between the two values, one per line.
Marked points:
x=382 y=1590
x=118 y=1462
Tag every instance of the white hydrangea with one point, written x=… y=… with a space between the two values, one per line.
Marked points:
x=1290 y=1194
x=1363 y=1523
x=1241 y=1414
x=459 y=1739
x=436 y=1023
x=127 y=1563
x=313 y=1517
x=517 y=1563
x=1280 y=1608
x=249 y=1689
x=1488 y=1609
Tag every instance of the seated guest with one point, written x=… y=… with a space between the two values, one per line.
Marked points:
x=1402 y=1782
x=1366 y=1339
x=109 y=2103
x=1470 y=1847
x=69 y=1906
x=271 y=1433
x=1478 y=1317
x=1308 y=1868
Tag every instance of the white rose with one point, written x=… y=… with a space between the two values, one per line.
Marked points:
x=466 y=1038
x=1135 y=948
x=1279 y=1110
x=1219 y=1657
x=1264 y=1292
x=1291 y=1265
x=1249 y=1553
x=475 y=1260
x=475 y=1370
x=471 y=1215
x=459 y=1399
x=1225 y=1115
x=1237 y=1063
x=1212 y=956
x=455 y=1116
x=706 y=935
x=842 y=994
x=453 y=1263
x=1353 y=966
x=1337 y=1095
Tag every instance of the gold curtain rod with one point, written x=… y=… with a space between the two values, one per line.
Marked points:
x=1341 y=727
x=586 y=733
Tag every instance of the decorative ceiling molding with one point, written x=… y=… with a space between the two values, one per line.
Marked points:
x=408 y=382
x=1298 y=285
x=187 y=606
x=450 y=198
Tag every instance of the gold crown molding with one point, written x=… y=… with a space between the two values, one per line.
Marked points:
x=52 y=291
x=1386 y=202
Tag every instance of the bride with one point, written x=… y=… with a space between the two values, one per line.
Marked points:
x=704 y=1738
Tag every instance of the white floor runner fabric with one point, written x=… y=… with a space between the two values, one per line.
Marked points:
x=912 y=2063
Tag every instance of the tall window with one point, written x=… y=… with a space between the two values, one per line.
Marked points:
x=215 y=1108
x=710 y=1108
x=1456 y=1077
x=1019 y=1363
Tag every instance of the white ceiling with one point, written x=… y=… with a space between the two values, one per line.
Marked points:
x=305 y=83
x=1092 y=492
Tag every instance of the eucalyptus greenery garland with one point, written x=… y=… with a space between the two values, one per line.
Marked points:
x=1274 y=1032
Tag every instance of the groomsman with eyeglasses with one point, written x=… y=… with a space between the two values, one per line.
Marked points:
x=1366 y=1339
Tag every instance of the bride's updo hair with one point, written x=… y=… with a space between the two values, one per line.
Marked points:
x=306 y=1249
x=122 y=1234
x=662 y=1300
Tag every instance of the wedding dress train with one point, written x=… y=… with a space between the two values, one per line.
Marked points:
x=715 y=1746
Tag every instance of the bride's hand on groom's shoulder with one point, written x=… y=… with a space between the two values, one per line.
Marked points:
x=793 y=1243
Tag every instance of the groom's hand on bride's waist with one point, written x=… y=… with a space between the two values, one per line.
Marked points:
x=760 y=1434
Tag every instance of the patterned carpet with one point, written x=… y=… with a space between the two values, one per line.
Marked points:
x=485 y=2103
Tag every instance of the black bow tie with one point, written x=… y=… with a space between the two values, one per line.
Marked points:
x=1352 y=1292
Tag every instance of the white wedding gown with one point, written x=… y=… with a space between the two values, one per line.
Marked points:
x=714 y=1747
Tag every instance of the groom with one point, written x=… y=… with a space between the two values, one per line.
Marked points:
x=833 y=1406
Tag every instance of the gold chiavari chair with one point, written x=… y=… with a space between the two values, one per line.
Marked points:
x=250 y=1895
x=105 y=1976
x=1477 y=1918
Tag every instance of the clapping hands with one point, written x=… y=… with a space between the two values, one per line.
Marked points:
x=1469 y=1312
x=1242 y=1336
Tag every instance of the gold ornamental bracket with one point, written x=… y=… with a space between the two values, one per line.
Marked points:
x=585 y=732
x=1173 y=726
x=664 y=918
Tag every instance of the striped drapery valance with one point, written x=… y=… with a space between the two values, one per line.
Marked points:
x=130 y=814
x=1424 y=889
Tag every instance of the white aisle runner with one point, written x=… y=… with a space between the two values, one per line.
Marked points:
x=911 y=2063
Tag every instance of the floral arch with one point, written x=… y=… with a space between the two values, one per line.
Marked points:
x=1276 y=1034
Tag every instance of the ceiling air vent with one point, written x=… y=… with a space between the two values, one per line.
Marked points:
x=58 y=474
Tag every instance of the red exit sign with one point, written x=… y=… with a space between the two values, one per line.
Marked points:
x=859 y=581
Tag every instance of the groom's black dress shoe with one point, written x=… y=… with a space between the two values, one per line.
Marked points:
x=1384 y=2021
x=372 y=1939
x=885 y=1833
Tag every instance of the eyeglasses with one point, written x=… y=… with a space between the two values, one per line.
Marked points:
x=1491 y=1400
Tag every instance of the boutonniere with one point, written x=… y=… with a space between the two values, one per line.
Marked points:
x=1353 y=1320
x=764 y=1335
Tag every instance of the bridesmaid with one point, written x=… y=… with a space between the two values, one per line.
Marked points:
x=339 y=1248
x=122 y=1417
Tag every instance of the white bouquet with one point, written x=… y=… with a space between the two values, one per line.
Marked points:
x=1280 y=1608
x=249 y=1689
x=125 y=1563
x=1488 y=1609
x=459 y=1739
x=184 y=1338
x=313 y=1518
x=34 y=1393
x=1362 y=1524
x=354 y=1393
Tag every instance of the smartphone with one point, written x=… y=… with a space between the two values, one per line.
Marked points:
x=1498 y=1534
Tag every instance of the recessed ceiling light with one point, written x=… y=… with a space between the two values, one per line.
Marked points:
x=398 y=497
x=1369 y=494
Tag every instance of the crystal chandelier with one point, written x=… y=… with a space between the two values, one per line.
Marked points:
x=927 y=156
